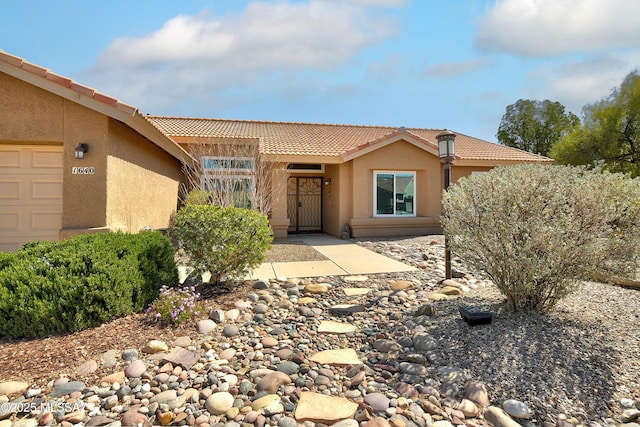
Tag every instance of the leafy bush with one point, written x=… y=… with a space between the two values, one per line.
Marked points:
x=538 y=230
x=198 y=197
x=225 y=241
x=177 y=305
x=55 y=287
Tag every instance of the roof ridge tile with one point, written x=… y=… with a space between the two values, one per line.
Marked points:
x=347 y=125
x=65 y=82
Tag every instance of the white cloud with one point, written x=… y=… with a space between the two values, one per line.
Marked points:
x=454 y=69
x=199 y=55
x=575 y=84
x=554 y=27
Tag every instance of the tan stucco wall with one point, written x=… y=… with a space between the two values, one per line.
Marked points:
x=458 y=172
x=28 y=114
x=399 y=156
x=332 y=206
x=134 y=183
x=84 y=196
x=143 y=181
x=278 y=219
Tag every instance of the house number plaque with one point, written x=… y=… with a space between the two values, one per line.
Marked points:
x=87 y=170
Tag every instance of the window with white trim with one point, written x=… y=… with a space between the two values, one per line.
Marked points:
x=231 y=180
x=228 y=164
x=394 y=193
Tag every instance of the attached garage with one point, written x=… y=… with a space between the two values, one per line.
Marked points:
x=31 y=194
x=134 y=170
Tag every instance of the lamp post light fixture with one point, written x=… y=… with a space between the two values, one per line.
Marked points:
x=81 y=150
x=446 y=153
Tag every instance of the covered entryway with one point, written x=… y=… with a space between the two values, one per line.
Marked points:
x=304 y=204
x=30 y=194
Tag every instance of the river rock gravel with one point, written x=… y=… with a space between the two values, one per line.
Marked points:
x=378 y=350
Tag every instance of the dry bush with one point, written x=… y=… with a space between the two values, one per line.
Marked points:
x=537 y=231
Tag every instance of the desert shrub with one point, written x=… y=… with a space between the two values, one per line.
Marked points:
x=225 y=241
x=177 y=305
x=56 y=287
x=537 y=231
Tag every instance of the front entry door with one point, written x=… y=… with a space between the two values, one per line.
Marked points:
x=304 y=204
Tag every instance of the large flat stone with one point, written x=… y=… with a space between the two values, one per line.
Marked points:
x=182 y=357
x=13 y=387
x=356 y=278
x=337 y=357
x=350 y=292
x=320 y=408
x=346 y=309
x=68 y=388
x=331 y=327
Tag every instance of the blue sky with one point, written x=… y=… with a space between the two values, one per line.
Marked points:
x=451 y=64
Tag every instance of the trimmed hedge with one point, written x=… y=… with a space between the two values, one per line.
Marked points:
x=49 y=288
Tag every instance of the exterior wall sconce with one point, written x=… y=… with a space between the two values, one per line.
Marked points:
x=446 y=153
x=327 y=181
x=81 y=150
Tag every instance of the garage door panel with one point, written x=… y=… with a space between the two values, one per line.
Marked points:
x=46 y=221
x=10 y=189
x=23 y=219
x=46 y=159
x=31 y=193
x=10 y=158
x=8 y=244
x=46 y=189
x=9 y=221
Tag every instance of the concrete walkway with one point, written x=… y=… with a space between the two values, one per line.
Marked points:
x=344 y=258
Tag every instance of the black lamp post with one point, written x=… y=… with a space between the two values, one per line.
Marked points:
x=446 y=153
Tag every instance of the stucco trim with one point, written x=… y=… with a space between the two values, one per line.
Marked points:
x=399 y=135
x=367 y=227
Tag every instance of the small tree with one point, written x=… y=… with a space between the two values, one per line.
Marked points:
x=538 y=230
x=610 y=134
x=234 y=172
x=225 y=241
x=535 y=126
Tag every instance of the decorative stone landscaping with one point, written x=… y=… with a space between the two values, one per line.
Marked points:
x=358 y=351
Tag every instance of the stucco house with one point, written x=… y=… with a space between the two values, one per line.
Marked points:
x=74 y=160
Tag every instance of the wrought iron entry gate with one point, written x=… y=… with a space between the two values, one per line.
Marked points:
x=304 y=204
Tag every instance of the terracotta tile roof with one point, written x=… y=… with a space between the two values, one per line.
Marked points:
x=290 y=138
x=87 y=96
x=66 y=82
x=278 y=138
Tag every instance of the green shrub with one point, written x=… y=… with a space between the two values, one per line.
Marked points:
x=225 y=241
x=198 y=197
x=538 y=230
x=56 y=287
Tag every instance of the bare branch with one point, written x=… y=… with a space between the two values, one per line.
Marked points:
x=235 y=173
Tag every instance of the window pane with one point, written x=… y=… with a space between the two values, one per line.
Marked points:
x=404 y=193
x=227 y=163
x=242 y=193
x=384 y=192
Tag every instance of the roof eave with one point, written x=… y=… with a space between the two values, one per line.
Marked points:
x=141 y=125
x=85 y=96
x=498 y=162
x=303 y=158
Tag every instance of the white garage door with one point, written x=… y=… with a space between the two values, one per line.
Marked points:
x=30 y=194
